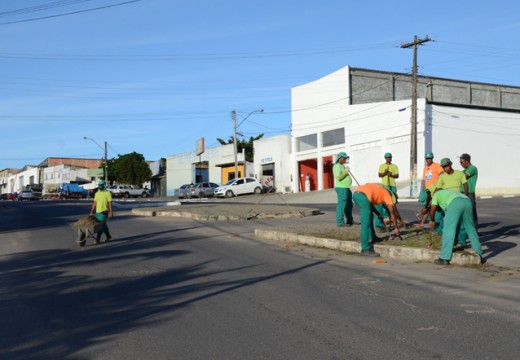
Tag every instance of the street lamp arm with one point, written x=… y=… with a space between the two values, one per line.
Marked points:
x=234 y=115
x=248 y=115
x=94 y=141
x=105 y=172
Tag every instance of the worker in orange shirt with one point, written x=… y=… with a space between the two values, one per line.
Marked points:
x=431 y=171
x=365 y=197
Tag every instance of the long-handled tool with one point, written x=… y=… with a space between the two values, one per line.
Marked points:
x=431 y=236
x=353 y=177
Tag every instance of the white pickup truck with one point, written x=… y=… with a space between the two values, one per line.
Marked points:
x=126 y=191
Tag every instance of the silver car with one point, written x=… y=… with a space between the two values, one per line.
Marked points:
x=201 y=190
x=181 y=191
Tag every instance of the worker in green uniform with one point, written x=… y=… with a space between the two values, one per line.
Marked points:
x=366 y=197
x=471 y=173
x=454 y=180
x=388 y=172
x=425 y=199
x=102 y=206
x=457 y=208
x=342 y=184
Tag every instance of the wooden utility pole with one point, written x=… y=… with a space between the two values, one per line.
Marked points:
x=413 y=121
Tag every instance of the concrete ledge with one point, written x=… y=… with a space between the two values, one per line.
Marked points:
x=134 y=205
x=244 y=215
x=388 y=251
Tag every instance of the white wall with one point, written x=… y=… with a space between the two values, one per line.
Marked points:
x=490 y=137
x=371 y=130
x=377 y=128
x=321 y=103
x=180 y=167
x=277 y=150
x=20 y=181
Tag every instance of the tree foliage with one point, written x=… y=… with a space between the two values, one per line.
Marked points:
x=129 y=169
x=243 y=144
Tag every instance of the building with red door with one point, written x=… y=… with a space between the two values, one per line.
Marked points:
x=367 y=113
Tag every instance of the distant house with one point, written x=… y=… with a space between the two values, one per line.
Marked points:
x=5 y=185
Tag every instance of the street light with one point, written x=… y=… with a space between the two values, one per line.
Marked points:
x=105 y=172
x=234 y=115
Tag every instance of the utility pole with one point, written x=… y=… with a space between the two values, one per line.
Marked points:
x=413 y=121
x=106 y=164
x=234 y=116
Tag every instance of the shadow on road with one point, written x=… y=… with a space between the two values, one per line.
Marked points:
x=53 y=304
x=495 y=238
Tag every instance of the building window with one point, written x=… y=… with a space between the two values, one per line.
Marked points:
x=334 y=137
x=307 y=142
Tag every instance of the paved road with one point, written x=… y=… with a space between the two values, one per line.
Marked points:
x=175 y=288
x=499 y=225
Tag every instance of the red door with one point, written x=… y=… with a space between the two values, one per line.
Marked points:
x=307 y=170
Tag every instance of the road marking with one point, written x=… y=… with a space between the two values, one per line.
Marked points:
x=365 y=280
x=477 y=309
x=431 y=328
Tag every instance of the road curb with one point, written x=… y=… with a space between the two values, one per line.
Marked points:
x=388 y=251
x=220 y=217
x=119 y=205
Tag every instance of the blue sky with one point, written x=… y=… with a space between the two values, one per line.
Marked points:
x=153 y=76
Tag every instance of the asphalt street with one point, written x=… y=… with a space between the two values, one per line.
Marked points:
x=176 y=288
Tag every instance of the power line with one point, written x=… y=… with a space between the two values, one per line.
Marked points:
x=71 y=13
x=189 y=57
x=42 y=7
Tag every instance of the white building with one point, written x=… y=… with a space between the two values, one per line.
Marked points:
x=272 y=162
x=367 y=113
x=29 y=176
x=215 y=164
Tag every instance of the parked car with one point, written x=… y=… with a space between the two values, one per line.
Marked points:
x=118 y=191
x=137 y=191
x=126 y=191
x=181 y=191
x=204 y=189
x=3 y=196
x=28 y=195
x=12 y=196
x=239 y=186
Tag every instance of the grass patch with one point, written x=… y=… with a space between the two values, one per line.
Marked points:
x=410 y=236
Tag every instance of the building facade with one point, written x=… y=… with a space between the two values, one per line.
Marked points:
x=272 y=161
x=368 y=113
x=215 y=164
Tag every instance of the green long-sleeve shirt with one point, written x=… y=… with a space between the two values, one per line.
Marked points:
x=342 y=177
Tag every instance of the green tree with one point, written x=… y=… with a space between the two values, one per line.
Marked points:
x=129 y=169
x=243 y=144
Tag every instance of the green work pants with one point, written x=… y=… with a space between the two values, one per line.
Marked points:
x=344 y=207
x=383 y=212
x=367 y=231
x=460 y=210
x=103 y=217
x=382 y=209
x=461 y=231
